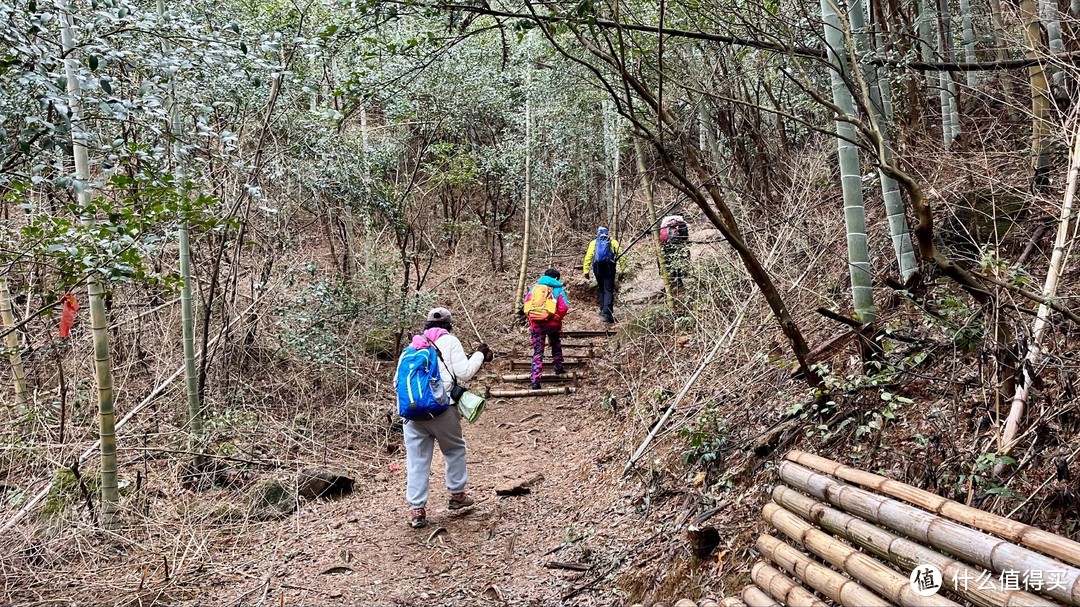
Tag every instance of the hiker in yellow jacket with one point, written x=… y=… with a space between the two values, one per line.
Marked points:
x=603 y=260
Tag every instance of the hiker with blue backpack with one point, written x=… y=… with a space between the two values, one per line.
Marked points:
x=430 y=378
x=545 y=306
x=602 y=259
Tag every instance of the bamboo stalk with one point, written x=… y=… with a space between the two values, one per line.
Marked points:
x=729 y=601
x=527 y=377
x=782 y=588
x=1014 y=531
x=110 y=494
x=528 y=393
x=187 y=314
x=905 y=553
x=1049 y=290
x=753 y=596
x=833 y=585
x=871 y=572
x=7 y=317
x=926 y=528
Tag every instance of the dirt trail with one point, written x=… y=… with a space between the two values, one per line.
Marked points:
x=359 y=550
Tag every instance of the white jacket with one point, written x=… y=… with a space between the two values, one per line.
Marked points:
x=453 y=358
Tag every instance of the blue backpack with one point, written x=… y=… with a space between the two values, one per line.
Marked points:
x=603 y=248
x=419 y=385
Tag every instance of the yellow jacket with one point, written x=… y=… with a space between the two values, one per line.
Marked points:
x=586 y=265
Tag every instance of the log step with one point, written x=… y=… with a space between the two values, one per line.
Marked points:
x=527 y=364
x=587 y=333
x=571 y=346
x=587 y=353
x=528 y=393
x=526 y=377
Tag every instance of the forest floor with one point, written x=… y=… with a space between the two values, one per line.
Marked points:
x=359 y=550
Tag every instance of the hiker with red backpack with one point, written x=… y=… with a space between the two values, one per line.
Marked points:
x=428 y=381
x=601 y=258
x=674 y=246
x=545 y=306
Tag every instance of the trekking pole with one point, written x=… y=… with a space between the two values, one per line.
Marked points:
x=468 y=316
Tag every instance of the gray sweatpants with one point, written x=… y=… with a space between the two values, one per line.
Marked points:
x=420 y=437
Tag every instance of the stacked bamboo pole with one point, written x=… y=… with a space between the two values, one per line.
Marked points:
x=973 y=546
x=1014 y=531
x=906 y=554
x=753 y=596
x=833 y=585
x=871 y=572
x=782 y=588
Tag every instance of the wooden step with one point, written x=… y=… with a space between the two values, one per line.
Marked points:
x=585 y=353
x=587 y=333
x=527 y=364
x=528 y=393
x=526 y=377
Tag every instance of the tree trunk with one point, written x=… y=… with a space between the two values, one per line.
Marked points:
x=12 y=344
x=1040 y=96
x=519 y=292
x=850 y=173
x=647 y=182
x=110 y=496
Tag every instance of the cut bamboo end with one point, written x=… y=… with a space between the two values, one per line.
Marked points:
x=833 y=585
x=782 y=588
x=1014 y=531
x=906 y=554
x=929 y=529
x=871 y=572
x=753 y=596
x=729 y=601
x=527 y=377
x=528 y=393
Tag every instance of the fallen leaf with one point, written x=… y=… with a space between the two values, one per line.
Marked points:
x=720 y=559
x=395 y=468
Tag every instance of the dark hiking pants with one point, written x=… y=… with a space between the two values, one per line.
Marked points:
x=605 y=286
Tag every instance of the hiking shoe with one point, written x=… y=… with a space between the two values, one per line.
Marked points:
x=534 y=386
x=418 y=518
x=459 y=501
